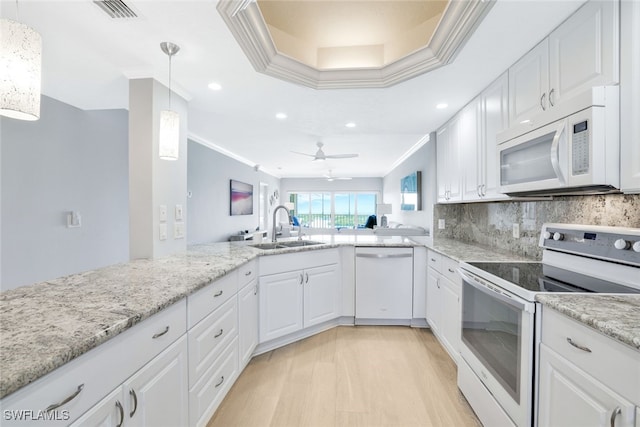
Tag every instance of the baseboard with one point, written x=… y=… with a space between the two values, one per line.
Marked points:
x=384 y=322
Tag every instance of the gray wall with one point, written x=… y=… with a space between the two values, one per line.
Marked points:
x=208 y=175
x=492 y=223
x=424 y=160
x=68 y=160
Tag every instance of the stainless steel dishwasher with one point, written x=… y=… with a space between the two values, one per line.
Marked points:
x=384 y=285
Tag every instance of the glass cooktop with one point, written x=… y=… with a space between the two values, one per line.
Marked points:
x=538 y=277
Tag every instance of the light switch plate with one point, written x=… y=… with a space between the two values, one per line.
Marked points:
x=162 y=231
x=178 y=230
x=162 y=213
x=441 y=224
x=179 y=213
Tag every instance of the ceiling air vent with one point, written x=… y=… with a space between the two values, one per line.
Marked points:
x=116 y=8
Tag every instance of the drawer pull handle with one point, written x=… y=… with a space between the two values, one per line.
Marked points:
x=159 y=334
x=450 y=270
x=220 y=383
x=67 y=400
x=248 y=273
x=217 y=294
x=433 y=259
x=135 y=402
x=614 y=414
x=578 y=346
x=255 y=290
x=121 y=411
x=219 y=333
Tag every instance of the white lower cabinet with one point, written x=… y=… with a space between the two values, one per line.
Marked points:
x=443 y=302
x=247 y=321
x=571 y=397
x=585 y=378
x=155 y=396
x=304 y=297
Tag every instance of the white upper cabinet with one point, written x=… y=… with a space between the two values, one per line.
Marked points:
x=630 y=97
x=581 y=53
x=494 y=118
x=449 y=180
x=528 y=83
x=470 y=150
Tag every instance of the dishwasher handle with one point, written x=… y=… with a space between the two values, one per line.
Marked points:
x=404 y=255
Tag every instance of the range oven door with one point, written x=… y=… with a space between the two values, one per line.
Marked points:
x=498 y=344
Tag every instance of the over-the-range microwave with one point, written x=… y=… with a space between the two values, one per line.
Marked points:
x=573 y=148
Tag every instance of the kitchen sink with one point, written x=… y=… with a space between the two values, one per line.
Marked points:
x=284 y=245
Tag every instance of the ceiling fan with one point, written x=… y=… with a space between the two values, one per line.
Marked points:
x=320 y=155
x=330 y=177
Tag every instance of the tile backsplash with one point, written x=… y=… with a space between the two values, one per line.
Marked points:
x=492 y=223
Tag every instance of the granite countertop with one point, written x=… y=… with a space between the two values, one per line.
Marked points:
x=617 y=316
x=47 y=324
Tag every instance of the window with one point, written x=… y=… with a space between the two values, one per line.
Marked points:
x=333 y=210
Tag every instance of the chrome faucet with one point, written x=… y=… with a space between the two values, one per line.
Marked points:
x=275 y=212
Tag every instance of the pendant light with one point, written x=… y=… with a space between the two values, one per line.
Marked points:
x=169 y=141
x=20 y=70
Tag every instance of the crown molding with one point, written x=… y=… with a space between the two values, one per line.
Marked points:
x=458 y=22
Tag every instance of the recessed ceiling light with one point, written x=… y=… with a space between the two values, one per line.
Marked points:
x=215 y=86
x=281 y=116
x=350 y=125
x=442 y=106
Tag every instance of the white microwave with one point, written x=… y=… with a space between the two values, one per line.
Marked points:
x=574 y=150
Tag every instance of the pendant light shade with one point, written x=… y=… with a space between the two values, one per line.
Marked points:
x=20 y=70
x=169 y=140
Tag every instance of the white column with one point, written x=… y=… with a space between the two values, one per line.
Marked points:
x=154 y=182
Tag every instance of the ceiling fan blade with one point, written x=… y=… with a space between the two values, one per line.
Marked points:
x=341 y=156
x=304 y=154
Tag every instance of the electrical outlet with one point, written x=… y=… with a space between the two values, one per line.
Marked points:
x=516 y=230
x=441 y=224
x=179 y=213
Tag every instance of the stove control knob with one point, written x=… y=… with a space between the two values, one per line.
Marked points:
x=558 y=236
x=636 y=246
x=547 y=235
x=621 y=244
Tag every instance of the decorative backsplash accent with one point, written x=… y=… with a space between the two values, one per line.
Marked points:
x=492 y=223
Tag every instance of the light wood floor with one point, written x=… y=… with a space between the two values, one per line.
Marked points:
x=350 y=376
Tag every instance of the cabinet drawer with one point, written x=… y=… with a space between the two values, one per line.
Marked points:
x=608 y=361
x=212 y=296
x=99 y=371
x=434 y=260
x=274 y=264
x=247 y=272
x=210 y=337
x=450 y=270
x=205 y=397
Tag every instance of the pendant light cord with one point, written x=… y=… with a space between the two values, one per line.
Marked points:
x=170 y=81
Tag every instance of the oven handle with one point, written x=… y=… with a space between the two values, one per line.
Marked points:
x=509 y=300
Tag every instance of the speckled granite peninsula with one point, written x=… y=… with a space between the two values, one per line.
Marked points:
x=616 y=316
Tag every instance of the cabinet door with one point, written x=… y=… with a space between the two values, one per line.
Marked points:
x=434 y=303
x=442 y=143
x=321 y=294
x=280 y=304
x=630 y=98
x=569 y=396
x=471 y=151
x=451 y=328
x=528 y=83
x=495 y=119
x=248 y=321
x=453 y=161
x=583 y=51
x=109 y=412
x=157 y=395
